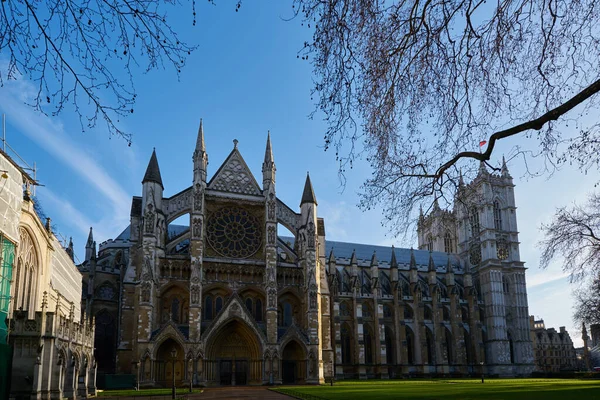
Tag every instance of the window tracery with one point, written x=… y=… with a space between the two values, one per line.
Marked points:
x=497 y=216
x=234 y=232
x=26 y=273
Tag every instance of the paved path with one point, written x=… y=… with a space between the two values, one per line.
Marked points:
x=241 y=392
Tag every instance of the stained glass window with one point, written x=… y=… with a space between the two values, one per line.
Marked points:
x=234 y=232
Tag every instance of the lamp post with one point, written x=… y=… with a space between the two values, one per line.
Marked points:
x=173 y=355
x=137 y=372
x=482 y=377
x=191 y=369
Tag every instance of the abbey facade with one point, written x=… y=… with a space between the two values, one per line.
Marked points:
x=225 y=300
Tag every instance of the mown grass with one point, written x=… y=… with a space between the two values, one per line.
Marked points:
x=463 y=389
x=144 y=392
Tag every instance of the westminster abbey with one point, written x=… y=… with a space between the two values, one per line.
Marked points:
x=224 y=300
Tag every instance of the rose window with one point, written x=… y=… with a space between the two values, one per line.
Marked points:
x=234 y=232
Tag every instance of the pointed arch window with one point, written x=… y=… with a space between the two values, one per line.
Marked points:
x=497 y=216
x=429 y=243
x=26 y=272
x=218 y=305
x=208 y=308
x=410 y=346
x=287 y=314
x=474 y=221
x=368 y=339
x=448 y=243
x=175 y=310
x=259 y=310
x=249 y=305
x=346 y=343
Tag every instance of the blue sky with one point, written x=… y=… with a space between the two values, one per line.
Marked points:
x=243 y=80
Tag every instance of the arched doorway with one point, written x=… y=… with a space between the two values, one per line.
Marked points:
x=293 y=363
x=233 y=356
x=168 y=366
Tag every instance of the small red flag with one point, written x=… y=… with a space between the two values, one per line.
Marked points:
x=482 y=143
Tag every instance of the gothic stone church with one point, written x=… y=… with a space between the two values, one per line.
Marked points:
x=226 y=301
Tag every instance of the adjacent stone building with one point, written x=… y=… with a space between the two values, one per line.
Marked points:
x=51 y=341
x=554 y=351
x=201 y=285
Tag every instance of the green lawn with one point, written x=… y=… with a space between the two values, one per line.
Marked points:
x=464 y=389
x=144 y=392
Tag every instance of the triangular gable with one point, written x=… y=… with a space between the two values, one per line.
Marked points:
x=234 y=308
x=234 y=176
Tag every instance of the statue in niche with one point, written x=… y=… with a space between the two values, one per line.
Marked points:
x=271 y=235
x=146 y=292
x=197 y=228
x=311 y=235
x=195 y=295
x=271 y=208
x=198 y=197
x=272 y=298
x=149 y=219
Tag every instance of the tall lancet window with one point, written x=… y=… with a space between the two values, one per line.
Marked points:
x=497 y=216
x=429 y=243
x=448 y=245
x=474 y=221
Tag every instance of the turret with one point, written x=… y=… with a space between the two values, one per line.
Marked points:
x=89 y=246
x=268 y=167
x=200 y=157
x=152 y=185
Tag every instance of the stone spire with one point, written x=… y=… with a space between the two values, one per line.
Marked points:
x=353 y=258
x=200 y=146
x=374 y=262
x=200 y=156
x=331 y=262
x=268 y=167
x=449 y=272
x=308 y=195
x=393 y=262
x=414 y=272
x=153 y=171
x=449 y=268
x=482 y=169
x=504 y=170
x=431 y=266
x=70 y=250
x=89 y=245
x=394 y=266
x=413 y=261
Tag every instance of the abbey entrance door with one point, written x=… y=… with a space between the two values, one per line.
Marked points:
x=234 y=357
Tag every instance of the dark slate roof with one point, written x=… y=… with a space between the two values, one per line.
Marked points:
x=153 y=171
x=126 y=234
x=308 y=195
x=342 y=252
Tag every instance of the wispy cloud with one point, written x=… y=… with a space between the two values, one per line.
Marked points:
x=543 y=278
x=51 y=136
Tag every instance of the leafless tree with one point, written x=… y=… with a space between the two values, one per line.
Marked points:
x=587 y=303
x=414 y=86
x=83 y=52
x=573 y=237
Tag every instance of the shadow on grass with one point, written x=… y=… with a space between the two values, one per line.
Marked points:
x=515 y=389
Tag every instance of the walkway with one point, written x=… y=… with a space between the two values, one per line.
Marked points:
x=240 y=392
